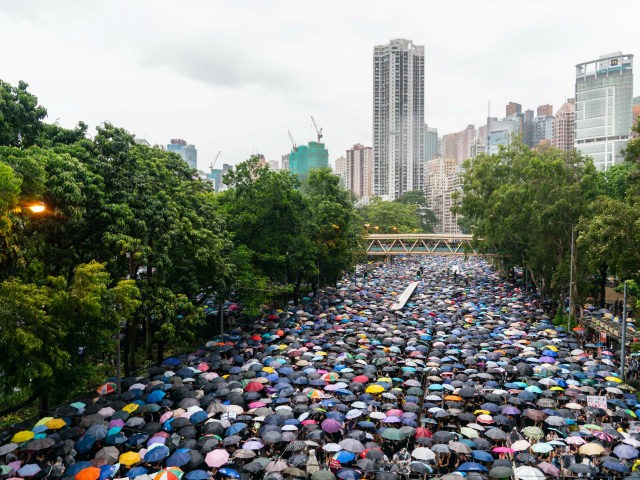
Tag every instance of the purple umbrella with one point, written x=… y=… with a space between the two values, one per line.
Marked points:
x=29 y=470
x=510 y=410
x=252 y=445
x=331 y=426
x=625 y=451
x=547 y=359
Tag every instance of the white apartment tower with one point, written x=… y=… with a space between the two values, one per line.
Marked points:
x=398 y=118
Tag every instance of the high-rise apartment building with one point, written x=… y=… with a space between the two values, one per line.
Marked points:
x=188 y=152
x=544 y=111
x=398 y=118
x=441 y=180
x=542 y=125
x=341 y=167
x=604 y=93
x=460 y=145
x=431 y=143
x=359 y=171
x=564 y=126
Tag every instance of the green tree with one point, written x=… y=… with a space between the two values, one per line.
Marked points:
x=20 y=115
x=428 y=219
x=266 y=212
x=524 y=204
x=52 y=333
x=391 y=217
x=335 y=225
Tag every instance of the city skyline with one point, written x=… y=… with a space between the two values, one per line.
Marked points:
x=218 y=75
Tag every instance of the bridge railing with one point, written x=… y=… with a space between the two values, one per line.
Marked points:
x=421 y=244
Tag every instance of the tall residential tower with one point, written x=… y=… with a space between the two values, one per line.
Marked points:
x=604 y=93
x=398 y=118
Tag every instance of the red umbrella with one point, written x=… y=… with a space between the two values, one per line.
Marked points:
x=361 y=379
x=253 y=387
x=422 y=432
x=107 y=388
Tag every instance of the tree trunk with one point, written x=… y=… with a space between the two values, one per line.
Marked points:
x=160 y=353
x=43 y=404
x=132 y=341
x=603 y=285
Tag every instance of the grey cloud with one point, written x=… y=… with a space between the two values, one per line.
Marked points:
x=225 y=66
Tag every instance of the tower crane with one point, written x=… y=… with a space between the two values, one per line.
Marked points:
x=293 y=142
x=213 y=164
x=318 y=130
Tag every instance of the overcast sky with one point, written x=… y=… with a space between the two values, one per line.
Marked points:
x=236 y=75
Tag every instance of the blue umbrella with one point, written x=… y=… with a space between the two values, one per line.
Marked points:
x=229 y=472
x=482 y=456
x=344 y=456
x=615 y=466
x=76 y=467
x=85 y=444
x=108 y=471
x=348 y=474
x=156 y=396
x=235 y=428
x=156 y=454
x=471 y=467
x=198 y=417
x=178 y=458
x=197 y=475
x=134 y=472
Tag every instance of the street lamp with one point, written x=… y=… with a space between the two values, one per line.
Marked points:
x=571 y=280
x=37 y=207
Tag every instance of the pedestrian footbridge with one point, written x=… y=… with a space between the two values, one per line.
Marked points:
x=421 y=244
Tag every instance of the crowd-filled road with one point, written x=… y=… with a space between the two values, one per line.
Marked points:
x=469 y=379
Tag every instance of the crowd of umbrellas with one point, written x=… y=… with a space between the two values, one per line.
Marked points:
x=470 y=379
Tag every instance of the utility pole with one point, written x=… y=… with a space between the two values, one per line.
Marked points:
x=623 y=337
x=571 y=281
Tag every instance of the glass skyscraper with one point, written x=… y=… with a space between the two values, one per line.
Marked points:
x=604 y=95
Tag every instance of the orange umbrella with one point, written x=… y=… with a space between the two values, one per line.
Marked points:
x=89 y=473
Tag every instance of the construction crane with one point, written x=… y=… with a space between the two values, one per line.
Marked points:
x=213 y=164
x=293 y=142
x=318 y=130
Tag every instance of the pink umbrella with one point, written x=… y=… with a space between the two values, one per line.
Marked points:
x=549 y=469
x=502 y=450
x=166 y=416
x=257 y=404
x=216 y=458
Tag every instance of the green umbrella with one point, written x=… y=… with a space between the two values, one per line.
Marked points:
x=323 y=475
x=393 y=434
x=533 y=432
x=500 y=472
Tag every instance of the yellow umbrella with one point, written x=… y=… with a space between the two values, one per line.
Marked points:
x=553 y=348
x=384 y=379
x=43 y=421
x=129 y=458
x=56 y=424
x=375 y=388
x=556 y=388
x=23 y=436
x=591 y=448
x=613 y=379
x=268 y=369
x=131 y=407
x=482 y=412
